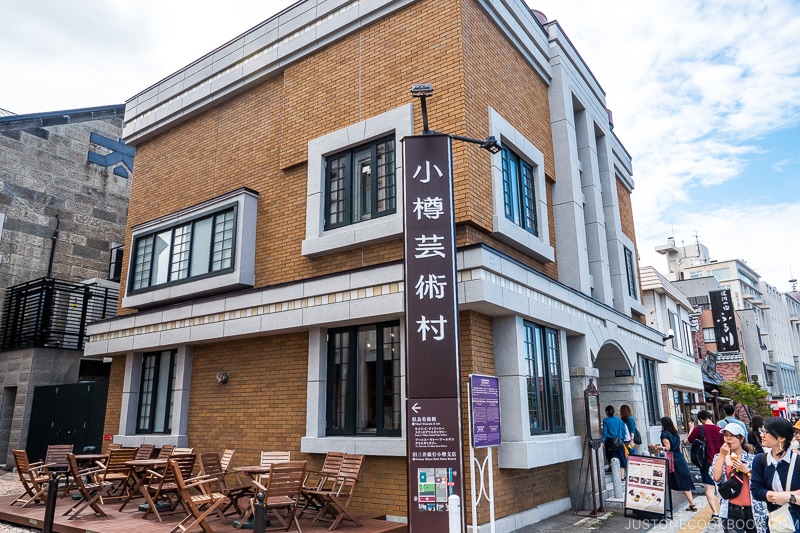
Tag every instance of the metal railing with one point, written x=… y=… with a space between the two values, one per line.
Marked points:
x=47 y=313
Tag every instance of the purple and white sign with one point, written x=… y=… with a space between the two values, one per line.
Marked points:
x=484 y=393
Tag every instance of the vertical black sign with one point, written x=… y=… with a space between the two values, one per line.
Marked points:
x=433 y=426
x=724 y=321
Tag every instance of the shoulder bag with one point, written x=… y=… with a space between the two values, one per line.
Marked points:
x=698 y=451
x=637 y=437
x=780 y=520
x=731 y=487
x=614 y=444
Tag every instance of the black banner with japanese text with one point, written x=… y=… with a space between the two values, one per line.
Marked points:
x=724 y=321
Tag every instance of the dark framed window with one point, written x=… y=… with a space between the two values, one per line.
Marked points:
x=630 y=269
x=155 y=392
x=519 y=198
x=545 y=391
x=676 y=332
x=201 y=247
x=364 y=393
x=651 y=391
x=360 y=184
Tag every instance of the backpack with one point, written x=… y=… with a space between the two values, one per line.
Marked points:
x=698 y=453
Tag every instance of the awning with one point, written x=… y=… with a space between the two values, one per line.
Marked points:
x=711 y=377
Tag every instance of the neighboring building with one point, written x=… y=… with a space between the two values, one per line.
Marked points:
x=780 y=338
x=669 y=311
x=60 y=216
x=263 y=276
x=768 y=338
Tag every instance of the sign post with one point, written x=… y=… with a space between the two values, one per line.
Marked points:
x=484 y=411
x=433 y=411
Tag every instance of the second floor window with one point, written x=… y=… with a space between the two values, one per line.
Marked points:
x=197 y=248
x=360 y=184
x=519 y=198
x=630 y=269
x=155 y=392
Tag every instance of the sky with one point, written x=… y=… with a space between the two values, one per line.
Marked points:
x=705 y=96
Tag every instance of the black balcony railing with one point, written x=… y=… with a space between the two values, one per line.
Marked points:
x=47 y=313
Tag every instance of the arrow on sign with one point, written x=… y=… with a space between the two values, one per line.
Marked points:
x=416 y=408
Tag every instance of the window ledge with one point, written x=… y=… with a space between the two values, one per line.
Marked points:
x=507 y=231
x=134 y=441
x=387 y=446
x=356 y=235
x=528 y=454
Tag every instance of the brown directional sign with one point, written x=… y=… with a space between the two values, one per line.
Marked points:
x=433 y=425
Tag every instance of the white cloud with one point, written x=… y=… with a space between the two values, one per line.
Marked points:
x=58 y=55
x=693 y=87
x=761 y=235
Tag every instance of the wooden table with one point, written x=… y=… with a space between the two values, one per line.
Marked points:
x=139 y=469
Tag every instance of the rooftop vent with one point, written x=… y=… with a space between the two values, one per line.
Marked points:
x=541 y=17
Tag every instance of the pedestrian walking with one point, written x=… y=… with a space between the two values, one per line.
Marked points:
x=679 y=478
x=626 y=416
x=614 y=439
x=713 y=439
x=771 y=469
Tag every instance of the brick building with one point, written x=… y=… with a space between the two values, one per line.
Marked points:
x=263 y=275
x=49 y=186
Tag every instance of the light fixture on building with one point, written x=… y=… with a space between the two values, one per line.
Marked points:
x=670 y=335
x=423 y=91
x=222 y=377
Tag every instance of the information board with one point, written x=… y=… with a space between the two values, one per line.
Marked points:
x=647 y=487
x=484 y=396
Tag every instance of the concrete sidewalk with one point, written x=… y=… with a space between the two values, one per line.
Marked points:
x=683 y=520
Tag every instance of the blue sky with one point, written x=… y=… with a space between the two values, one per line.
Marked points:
x=705 y=95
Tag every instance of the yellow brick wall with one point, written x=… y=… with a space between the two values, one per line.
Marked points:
x=259 y=139
x=628 y=228
x=114 y=403
x=515 y=490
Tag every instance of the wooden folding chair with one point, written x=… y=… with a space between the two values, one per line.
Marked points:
x=91 y=492
x=165 y=451
x=336 y=500
x=113 y=446
x=225 y=460
x=210 y=465
x=34 y=478
x=198 y=506
x=182 y=451
x=322 y=479
x=270 y=458
x=163 y=487
x=282 y=491
x=57 y=457
x=144 y=451
x=115 y=470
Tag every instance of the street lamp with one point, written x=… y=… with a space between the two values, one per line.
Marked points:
x=423 y=91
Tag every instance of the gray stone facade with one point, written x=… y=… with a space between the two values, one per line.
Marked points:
x=44 y=173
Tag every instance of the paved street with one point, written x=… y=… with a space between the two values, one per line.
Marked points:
x=612 y=522
x=9 y=484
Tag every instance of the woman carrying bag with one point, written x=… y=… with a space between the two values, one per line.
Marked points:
x=731 y=470
x=614 y=433
x=679 y=477
x=771 y=470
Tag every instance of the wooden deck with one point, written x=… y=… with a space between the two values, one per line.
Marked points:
x=130 y=520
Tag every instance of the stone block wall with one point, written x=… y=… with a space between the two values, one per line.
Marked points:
x=43 y=173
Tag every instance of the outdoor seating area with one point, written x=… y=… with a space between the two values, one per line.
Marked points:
x=146 y=489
